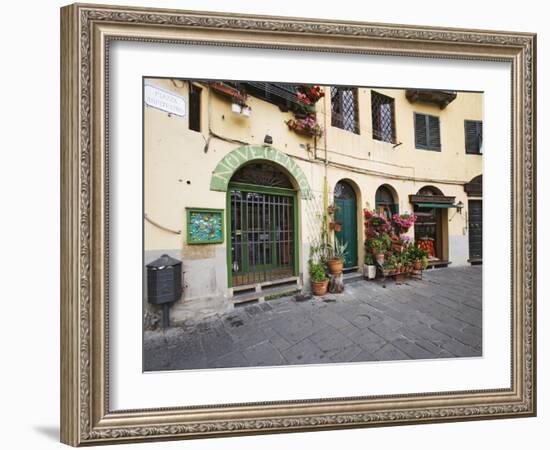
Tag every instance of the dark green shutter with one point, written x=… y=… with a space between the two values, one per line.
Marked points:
x=473 y=132
x=426 y=132
x=433 y=133
x=420 y=131
x=195 y=108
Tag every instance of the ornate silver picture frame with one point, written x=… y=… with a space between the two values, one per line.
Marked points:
x=87 y=33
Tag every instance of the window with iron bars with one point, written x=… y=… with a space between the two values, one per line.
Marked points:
x=383 y=117
x=281 y=94
x=344 y=108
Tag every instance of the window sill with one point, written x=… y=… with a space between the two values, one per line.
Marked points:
x=429 y=149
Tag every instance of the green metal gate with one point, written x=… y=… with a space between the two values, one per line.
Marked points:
x=262 y=233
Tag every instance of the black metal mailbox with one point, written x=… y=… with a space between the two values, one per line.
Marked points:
x=164 y=283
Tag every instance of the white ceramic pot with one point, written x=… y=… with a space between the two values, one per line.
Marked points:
x=236 y=108
x=369 y=272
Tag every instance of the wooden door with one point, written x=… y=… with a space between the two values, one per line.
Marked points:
x=475 y=230
x=346 y=214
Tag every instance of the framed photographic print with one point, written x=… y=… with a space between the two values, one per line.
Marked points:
x=282 y=224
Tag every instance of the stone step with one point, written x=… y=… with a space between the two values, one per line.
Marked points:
x=261 y=294
x=352 y=277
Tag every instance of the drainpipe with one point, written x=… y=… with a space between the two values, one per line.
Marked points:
x=325 y=180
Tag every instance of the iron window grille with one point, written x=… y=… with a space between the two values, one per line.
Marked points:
x=383 y=117
x=473 y=136
x=427 y=135
x=344 y=109
x=282 y=95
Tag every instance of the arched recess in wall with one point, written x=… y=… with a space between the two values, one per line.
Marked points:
x=262 y=186
x=429 y=190
x=346 y=201
x=235 y=159
x=430 y=228
x=386 y=200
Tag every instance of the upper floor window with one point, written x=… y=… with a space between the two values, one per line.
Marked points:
x=194 y=107
x=344 y=108
x=282 y=95
x=473 y=136
x=426 y=132
x=383 y=117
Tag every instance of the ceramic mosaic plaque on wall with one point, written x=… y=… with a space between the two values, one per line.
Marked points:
x=204 y=226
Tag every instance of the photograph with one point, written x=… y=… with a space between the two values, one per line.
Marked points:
x=276 y=224
x=297 y=224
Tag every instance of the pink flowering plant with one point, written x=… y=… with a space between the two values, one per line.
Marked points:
x=403 y=221
x=306 y=125
x=305 y=120
x=378 y=230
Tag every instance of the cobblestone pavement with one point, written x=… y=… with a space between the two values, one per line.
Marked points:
x=439 y=316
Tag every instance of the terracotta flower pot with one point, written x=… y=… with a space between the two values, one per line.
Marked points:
x=319 y=288
x=417 y=265
x=335 y=266
x=379 y=258
x=397 y=247
x=335 y=226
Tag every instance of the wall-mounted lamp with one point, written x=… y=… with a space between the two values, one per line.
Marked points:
x=459 y=207
x=268 y=140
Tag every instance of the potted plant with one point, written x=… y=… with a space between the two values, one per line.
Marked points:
x=402 y=222
x=408 y=265
x=370 y=268
x=425 y=261
x=397 y=243
x=416 y=255
x=337 y=253
x=378 y=247
x=319 y=279
x=389 y=267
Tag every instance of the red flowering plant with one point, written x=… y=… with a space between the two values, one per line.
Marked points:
x=305 y=121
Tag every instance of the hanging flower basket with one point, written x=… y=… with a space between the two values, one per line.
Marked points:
x=305 y=127
x=305 y=122
x=235 y=95
x=336 y=226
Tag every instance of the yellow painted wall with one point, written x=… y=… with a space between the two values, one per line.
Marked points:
x=178 y=164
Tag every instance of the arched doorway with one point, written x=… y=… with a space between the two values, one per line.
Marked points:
x=429 y=225
x=262 y=224
x=386 y=201
x=345 y=213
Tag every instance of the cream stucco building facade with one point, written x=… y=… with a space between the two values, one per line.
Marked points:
x=209 y=157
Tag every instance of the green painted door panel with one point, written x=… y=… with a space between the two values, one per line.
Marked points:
x=346 y=214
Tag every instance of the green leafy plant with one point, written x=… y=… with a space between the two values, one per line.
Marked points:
x=378 y=245
x=425 y=261
x=338 y=250
x=415 y=253
x=369 y=259
x=317 y=272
